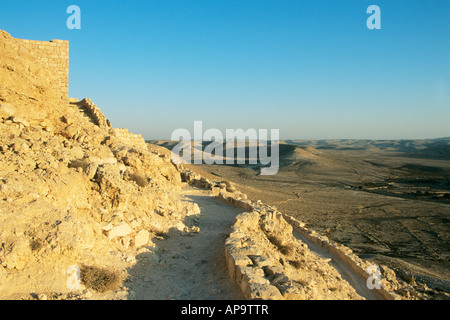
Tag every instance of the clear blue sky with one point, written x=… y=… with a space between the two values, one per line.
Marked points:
x=309 y=68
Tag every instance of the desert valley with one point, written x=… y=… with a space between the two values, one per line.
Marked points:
x=386 y=200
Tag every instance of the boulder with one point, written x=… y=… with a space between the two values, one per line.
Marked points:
x=141 y=238
x=121 y=230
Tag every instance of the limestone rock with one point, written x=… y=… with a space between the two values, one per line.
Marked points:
x=260 y=291
x=65 y=192
x=292 y=291
x=14 y=253
x=121 y=230
x=141 y=238
x=20 y=121
x=6 y=110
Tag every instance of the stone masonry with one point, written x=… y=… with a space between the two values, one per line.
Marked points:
x=99 y=119
x=51 y=55
x=94 y=113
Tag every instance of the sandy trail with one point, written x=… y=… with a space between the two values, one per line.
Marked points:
x=193 y=267
x=189 y=267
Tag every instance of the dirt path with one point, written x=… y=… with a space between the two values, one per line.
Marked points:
x=189 y=267
x=192 y=266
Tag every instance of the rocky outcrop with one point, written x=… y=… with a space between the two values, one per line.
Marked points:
x=72 y=191
x=66 y=189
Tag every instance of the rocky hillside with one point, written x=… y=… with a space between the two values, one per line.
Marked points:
x=72 y=193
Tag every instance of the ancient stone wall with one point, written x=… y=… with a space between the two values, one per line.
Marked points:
x=47 y=58
x=98 y=118
x=129 y=138
x=93 y=112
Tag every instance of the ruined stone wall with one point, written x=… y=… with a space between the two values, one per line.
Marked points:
x=98 y=118
x=129 y=138
x=48 y=61
x=53 y=55
x=93 y=112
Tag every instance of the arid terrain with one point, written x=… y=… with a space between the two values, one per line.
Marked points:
x=91 y=211
x=389 y=201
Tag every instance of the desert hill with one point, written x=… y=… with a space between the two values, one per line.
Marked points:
x=435 y=148
x=70 y=182
x=292 y=157
x=421 y=156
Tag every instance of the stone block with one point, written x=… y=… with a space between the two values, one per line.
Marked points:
x=258 y=291
x=260 y=260
x=292 y=291
x=272 y=270
x=250 y=275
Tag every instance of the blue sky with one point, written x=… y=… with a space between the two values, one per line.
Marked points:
x=311 y=69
